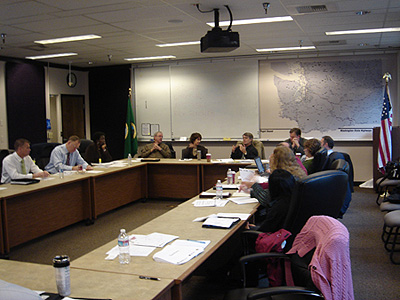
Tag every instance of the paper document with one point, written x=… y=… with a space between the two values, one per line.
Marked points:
x=181 y=251
x=94 y=171
x=210 y=202
x=233 y=215
x=243 y=200
x=219 y=222
x=246 y=174
x=154 y=239
x=134 y=250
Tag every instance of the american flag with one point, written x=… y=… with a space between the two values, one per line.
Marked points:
x=385 y=142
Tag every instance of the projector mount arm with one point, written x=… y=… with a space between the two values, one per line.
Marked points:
x=216 y=15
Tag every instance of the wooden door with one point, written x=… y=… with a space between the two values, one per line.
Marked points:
x=73 y=116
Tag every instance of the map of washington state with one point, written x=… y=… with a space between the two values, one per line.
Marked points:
x=329 y=95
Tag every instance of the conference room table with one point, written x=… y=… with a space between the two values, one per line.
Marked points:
x=31 y=211
x=85 y=283
x=178 y=222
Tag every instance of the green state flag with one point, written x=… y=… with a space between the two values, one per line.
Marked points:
x=131 y=143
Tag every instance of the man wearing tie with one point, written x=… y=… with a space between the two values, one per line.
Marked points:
x=66 y=157
x=19 y=165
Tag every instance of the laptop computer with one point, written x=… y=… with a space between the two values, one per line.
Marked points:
x=262 y=170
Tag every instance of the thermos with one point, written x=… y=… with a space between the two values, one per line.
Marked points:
x=61 y=266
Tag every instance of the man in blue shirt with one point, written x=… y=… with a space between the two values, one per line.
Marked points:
x=66 y=157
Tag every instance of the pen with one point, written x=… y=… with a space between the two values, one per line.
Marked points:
x=149 y=278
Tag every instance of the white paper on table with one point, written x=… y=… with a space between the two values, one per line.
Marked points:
x=233 y=215
x=154 y=239
x=191 y=243
x=219 y=222
x=94 y=171
x=134 y=250
x=246 y=174
x=230 y=186
x=240 y=194
x=201 y=219
x=186 y=159
x=177 y=255
x=103 y=165
x=243 y=200
x=204 y=203
x=2 y=188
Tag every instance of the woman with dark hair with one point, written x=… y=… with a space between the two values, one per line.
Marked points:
x=98 y=150
x=275 y=201
x=194 y=146
x=311 y=147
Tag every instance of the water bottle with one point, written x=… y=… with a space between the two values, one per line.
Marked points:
x=61 y=173
x=129 y=159
x=199 y=154
x=123 y=245
x=61 y=266
x=219 y=190
x=229 y=176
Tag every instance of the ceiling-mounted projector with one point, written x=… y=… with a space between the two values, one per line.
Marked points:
x=218 y=40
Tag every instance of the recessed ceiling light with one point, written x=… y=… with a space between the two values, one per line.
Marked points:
x=51 y=55
x=360 y=31
x=150 y=58
x=286 y=49
x=69 y=39
x=253 y=21
x=179 y=44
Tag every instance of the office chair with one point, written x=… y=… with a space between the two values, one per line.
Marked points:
x=318 y=265
x=84 y=144
x=3 y=154
x=41 y=153
x=173 y=153
x=321 y=193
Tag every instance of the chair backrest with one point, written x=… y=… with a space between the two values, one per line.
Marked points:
x=173 y=153
x=41 y=153
x=260 y=148
x=84 y=144
x=328 y=241
x=321 y=193
x=3 y=154
x=340 y=165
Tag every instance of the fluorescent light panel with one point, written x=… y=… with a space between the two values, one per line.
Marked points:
x=360 y=31
x=285 y=49
x=253 y=21
x=51 y=55
x=69 y=39
x=178 y=44
x=150 y=58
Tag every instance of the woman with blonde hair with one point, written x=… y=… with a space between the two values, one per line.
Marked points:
x=283 y=158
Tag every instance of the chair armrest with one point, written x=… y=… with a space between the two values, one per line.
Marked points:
x=280 y=290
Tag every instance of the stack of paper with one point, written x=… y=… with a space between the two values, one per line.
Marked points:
x=243 y=200
x=213 y=222
x=153 y=239
x=180 y=251
x=213 y=194
x=210 y=203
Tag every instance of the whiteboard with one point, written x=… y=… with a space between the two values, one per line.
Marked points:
x=218 y=99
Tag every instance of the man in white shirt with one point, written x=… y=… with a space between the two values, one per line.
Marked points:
x=66 y=157
x=19 y=165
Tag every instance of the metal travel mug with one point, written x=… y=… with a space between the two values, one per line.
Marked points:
x=61 y=266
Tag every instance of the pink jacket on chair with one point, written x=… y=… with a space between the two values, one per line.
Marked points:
x=330 y=265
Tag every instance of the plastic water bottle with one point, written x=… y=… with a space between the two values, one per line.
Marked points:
x=129 y=159
x=123 y=245
x=219 y=190
x=61 y=173
x=229 y=176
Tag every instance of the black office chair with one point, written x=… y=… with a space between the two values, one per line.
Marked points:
x=321 y=193
x=321 y=238
x=173 y=153
x=84 y=144
x=41 y=152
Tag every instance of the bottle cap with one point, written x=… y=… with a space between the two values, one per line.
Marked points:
x=122 y=231
x=61 y=261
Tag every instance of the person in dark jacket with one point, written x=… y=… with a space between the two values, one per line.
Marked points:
x=194 y=146
x=98 y=149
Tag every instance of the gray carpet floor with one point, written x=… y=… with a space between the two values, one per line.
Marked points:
x=374 y=276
